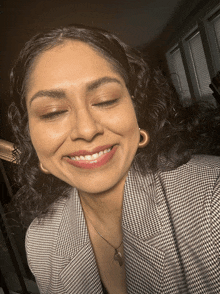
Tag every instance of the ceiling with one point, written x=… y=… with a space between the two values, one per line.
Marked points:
x=135 y=21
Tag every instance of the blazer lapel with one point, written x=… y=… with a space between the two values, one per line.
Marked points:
x=80 y=272
x=141 y=224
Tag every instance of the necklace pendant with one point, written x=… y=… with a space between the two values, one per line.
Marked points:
x=118 y=257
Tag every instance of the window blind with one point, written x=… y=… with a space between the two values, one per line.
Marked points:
x=179 y=77
x=216 y=24
x=200 y=65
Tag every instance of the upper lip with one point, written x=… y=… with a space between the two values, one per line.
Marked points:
x=85 y=152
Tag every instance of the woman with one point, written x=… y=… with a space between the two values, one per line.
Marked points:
x=105 y=167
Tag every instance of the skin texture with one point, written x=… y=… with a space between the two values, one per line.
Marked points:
x=83 y=118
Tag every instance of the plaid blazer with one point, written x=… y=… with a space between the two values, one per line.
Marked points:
x=171 y=226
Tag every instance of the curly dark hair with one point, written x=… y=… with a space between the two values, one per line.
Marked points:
x=156 y=104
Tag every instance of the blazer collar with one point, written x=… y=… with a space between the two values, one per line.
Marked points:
x=80 y=272
x=142 y=226
x=73 y=233
x=140 y=215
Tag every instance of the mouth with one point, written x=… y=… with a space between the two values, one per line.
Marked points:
x=92 y=160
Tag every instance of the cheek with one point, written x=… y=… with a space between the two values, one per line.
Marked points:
x=125 y=122
x=131 y=130
x=46 y=139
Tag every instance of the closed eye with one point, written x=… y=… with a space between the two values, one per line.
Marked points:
x=106 y=103
x=52 y=115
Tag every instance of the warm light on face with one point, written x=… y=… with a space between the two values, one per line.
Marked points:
x=81 y=118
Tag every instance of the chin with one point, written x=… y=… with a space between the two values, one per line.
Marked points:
x=95 y=189
x=97 y=186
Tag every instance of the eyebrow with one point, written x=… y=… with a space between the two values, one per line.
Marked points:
x=57 y=93
x=60 y=94
x=105 y=80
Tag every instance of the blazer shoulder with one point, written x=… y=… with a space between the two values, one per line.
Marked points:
x=205 y=161
x=42 y=233
x=50 y=220
x=200 y=171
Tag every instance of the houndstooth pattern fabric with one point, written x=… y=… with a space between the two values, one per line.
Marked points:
x=171 y=226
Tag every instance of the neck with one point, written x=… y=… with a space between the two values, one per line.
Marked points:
x=104 y=206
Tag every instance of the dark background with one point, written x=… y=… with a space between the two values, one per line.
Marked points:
x=146 y=24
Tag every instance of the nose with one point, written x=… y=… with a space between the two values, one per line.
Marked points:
x=86 y=126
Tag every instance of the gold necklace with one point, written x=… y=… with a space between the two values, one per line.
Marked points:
x=117 y=255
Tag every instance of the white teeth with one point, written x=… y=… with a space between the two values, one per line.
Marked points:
x=88 y=157
x=94 y=156
x=91 y=157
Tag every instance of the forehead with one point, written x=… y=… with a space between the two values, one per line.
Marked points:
x=74 y=58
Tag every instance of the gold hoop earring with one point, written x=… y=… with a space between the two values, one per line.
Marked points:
x=43 y=169
x=145 y=140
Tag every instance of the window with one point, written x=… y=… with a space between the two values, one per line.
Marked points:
x=216 y=24
x=195 y=59
x=199 y=65
x=179 y=76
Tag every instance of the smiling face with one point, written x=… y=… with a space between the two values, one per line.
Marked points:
x=81 y=118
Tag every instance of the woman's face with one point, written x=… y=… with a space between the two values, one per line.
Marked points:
x=81 y=118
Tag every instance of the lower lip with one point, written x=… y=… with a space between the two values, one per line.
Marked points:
x=102 y=160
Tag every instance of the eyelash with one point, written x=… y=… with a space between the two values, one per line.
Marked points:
x=55 y=114
x=52 y=115
x=106 y=103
